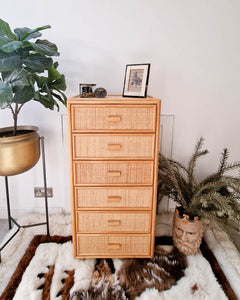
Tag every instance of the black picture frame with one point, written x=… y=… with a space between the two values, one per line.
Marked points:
x=136 y=80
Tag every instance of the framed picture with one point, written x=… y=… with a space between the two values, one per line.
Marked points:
x=136 y=80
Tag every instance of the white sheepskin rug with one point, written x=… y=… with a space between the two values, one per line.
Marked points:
x=197 y=274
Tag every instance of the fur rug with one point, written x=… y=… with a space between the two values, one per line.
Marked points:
x=134 y=276
x=56 y=260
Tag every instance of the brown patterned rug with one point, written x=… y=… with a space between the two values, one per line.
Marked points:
x=46 y=275
x=16 y=278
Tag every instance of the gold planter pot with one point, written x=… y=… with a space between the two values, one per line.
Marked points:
x=18 y=153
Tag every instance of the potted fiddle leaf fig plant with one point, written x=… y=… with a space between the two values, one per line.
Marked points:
x=27 y=73
x=214 y=198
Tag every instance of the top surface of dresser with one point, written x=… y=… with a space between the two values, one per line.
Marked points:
x=114 y=99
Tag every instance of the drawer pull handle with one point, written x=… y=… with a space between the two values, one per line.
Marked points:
x=114 y=246
x=114 y=222
x=114 y=198
x=113 y=147
x=114 y=119
x=113 y=173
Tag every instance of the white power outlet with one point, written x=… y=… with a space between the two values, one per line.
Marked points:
x=39 y=192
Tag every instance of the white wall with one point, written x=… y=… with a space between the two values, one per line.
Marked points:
x=193 y=47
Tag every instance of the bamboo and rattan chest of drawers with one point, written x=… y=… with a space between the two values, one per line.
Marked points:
x=113 y=146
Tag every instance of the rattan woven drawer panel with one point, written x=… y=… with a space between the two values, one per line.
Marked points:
x=113 y=245
x=113 y=146
x=108 y=198
x=107 y=222
x=112 y=117
x=113 y=172
x=113 y=155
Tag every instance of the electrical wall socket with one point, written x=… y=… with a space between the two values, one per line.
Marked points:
x=39 y=192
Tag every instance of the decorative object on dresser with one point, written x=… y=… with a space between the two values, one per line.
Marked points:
x=100 y=93
x=113 y=146
x=136 y=80
x=85 y=90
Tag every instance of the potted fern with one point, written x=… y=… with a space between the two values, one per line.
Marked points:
x=27 y=73
x=214 y=198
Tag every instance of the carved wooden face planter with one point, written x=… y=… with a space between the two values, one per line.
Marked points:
x=187 y=233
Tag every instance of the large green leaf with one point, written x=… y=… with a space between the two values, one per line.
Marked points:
x=17 y=78
x=9 y=61
x=14 y=45
x=23 y=95
x=53 y=74
x=6 y=94
x=61 y=97
x=21 y=62
x=38 y=63
x=22 y=32
x=59 y=84
x=45 y=47
x=41 y=80
x=33 y=33
x=4 y=39
x=5 y=29
x=44 y=100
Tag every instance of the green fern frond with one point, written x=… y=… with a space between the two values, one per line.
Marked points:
x=224 y=225
x=215 y=198
x=193 y=160
x=179 y=165
x=168 y=178
x=223 y=161
x=232 y=166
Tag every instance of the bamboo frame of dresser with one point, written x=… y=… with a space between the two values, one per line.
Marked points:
x=112 y=101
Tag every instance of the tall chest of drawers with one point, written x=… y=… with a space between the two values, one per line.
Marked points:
x=113 y=146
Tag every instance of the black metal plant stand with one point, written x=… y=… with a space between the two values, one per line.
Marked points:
x=11 y=219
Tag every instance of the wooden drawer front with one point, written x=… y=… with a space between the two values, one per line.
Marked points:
x=106 y=222
x=118 y=117
x=113 y=245
x=113 y=173
x=113 y=146
x=94 y=197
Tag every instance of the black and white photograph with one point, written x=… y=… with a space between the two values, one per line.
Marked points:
x=136 y=80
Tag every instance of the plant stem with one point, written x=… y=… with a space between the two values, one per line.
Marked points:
x=15 y=115
x=14 y=119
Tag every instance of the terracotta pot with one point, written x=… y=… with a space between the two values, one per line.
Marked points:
x=18 y=153
x=187 y=232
